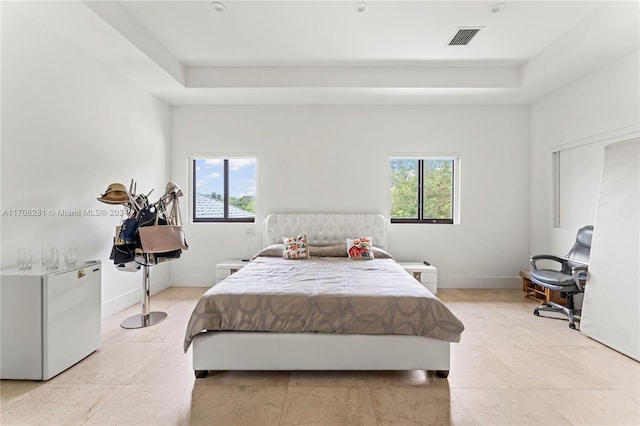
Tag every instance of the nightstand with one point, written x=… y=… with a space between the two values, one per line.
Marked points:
x=228 y=267
x=427 y=275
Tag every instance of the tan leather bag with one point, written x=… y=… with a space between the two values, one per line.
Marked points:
x=162 y=238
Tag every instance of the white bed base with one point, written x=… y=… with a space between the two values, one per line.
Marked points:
x=316 y=351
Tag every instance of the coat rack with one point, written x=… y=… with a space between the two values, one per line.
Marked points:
x=146 y=318
x=128 y=250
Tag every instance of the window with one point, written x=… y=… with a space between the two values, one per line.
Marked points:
x=224 y=189
x=422 y=190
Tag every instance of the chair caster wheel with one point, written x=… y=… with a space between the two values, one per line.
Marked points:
x=536 y=312
x=572 y=326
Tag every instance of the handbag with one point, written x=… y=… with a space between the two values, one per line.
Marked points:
x=170 y=255
x=149 y=216
x=128 y=231
x=122 y=253
x=162 y=238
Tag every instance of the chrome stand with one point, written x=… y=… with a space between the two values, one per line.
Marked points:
x=146 y=319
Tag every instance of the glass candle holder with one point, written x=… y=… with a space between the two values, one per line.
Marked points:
x=70 y=255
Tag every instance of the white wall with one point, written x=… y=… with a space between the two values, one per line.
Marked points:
x=336 y=159
x=601 y=108
x=70 y=127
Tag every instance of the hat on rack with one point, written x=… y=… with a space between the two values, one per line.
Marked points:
x=173 y=189
x=116 y=193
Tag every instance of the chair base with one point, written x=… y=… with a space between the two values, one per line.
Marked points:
x=568 y=312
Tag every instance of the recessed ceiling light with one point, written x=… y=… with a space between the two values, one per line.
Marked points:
x=217 y=6
x=361 y=7
x=497 y=7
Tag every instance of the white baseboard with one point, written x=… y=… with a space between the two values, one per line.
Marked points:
x=488 y=283
x=510 y=283
x=119 y=303
x=114 y=305
x=192 y=280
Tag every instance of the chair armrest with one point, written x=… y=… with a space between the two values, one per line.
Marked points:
x=545 y=257
x=568 y=259
x=575 y=273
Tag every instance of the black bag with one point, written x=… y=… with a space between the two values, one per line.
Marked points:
x=123 y=253
x=147 y=217
x=128 y=231
x=168 y=255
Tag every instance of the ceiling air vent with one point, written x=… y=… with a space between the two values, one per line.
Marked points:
x=464 y=36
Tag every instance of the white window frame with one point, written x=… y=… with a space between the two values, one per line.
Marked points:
x=192 y=187
x=457 y=163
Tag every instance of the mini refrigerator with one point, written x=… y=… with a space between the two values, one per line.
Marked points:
x=50 y=320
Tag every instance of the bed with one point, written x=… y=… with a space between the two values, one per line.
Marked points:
x=326 y=312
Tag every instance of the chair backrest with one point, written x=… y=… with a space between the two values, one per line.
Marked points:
x=581 y=250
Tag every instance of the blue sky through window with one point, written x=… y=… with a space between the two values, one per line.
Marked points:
x=209 y=176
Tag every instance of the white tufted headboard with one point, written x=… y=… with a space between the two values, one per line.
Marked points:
x=324 y=229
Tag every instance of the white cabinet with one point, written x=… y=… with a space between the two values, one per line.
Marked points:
x=49 y=320
x=426 y=274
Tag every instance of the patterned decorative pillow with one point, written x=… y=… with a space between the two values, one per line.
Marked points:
x=360 y=248
x=295 y=247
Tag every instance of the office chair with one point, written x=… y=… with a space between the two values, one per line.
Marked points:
x=569 y=279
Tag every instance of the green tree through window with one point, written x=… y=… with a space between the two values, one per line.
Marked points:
x=421 y=190
x=404 y=189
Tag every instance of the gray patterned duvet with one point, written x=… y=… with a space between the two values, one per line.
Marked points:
x=324 y=295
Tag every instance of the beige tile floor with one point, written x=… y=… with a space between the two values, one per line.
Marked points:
x=510 y=368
